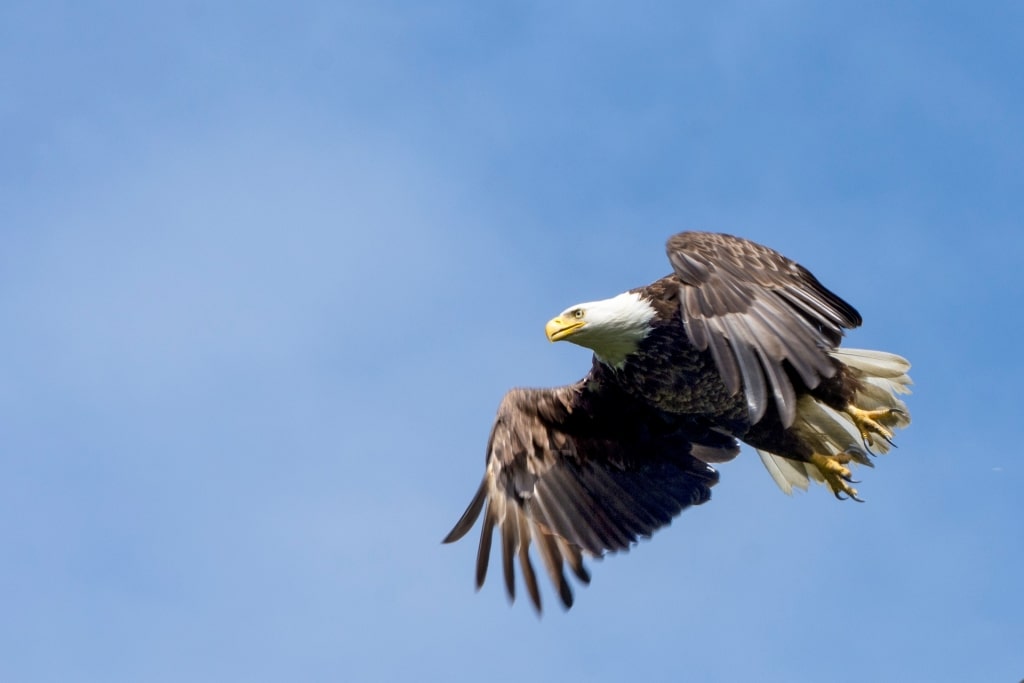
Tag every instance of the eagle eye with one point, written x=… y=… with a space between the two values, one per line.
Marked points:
x=578 y=313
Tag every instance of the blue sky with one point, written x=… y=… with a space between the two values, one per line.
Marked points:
x=267 y=270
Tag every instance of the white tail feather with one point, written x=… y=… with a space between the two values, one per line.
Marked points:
x=826 y=431
x=786 y=473
x=830 y=432
x=873 y=363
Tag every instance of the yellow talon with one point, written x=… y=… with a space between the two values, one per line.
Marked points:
x=837 y=475
x=875 y=422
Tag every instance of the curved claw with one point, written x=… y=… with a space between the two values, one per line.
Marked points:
x=880 y=423
x=837 y=476
x=866 y=440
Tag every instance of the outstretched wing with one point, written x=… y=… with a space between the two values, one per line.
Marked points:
x=577 y=469
x=757 y=310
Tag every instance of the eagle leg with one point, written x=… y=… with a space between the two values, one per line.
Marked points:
x=875 y=422
x=833 y=469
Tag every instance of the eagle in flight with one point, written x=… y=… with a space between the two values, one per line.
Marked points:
x=738 y=343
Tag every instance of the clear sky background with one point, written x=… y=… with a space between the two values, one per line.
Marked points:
x=266 y=270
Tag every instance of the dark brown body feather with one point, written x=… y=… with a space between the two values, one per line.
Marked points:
x=740 y=333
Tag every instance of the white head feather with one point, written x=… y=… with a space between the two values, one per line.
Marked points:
x=612 y=328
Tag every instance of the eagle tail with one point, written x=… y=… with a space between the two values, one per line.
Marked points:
x=862 y=429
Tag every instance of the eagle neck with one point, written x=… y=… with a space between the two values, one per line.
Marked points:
x=632 y=321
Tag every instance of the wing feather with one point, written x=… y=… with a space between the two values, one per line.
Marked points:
x=509 y=548
x=574 y=557
x=529 y=576
x=744 y=347
x=725 y=359
x=760 y=315
x=483 y=553
x=583 y=469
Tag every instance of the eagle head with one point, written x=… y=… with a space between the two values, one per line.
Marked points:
x=612 y=328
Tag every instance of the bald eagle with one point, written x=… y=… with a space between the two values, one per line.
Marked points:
x=737 y=343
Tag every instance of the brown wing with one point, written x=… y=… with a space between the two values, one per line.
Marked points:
x=757 y=311
x=578 y=469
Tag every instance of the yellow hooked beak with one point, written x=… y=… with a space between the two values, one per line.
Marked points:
x=559 y=328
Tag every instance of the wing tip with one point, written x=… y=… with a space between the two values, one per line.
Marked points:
x=469 y=517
